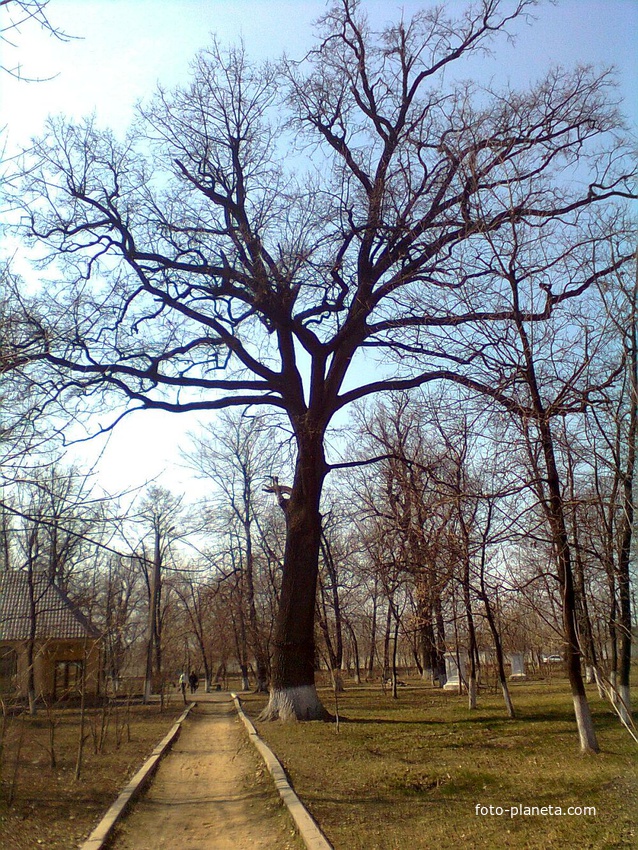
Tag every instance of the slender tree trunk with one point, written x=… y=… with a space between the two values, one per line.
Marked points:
x=336 y=649
x=395 y=645
x=31 y=693
x=491 y=619
x=335 y=656
x=82 y=737
x=417 y=658
x=5 y=547
x=355 y=653
x=627 y=519
x=243 y=651
x=260 y=654
x=584 y=620
x=373 y=632
x=386 y=643
x=472 y=678
x=554 y=508
x=500 y=660
x=440 y=639
x=592 y=672
x=153 y=650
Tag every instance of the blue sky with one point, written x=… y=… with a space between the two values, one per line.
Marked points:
x=123 y=47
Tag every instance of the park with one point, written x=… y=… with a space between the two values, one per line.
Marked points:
x=319 y=386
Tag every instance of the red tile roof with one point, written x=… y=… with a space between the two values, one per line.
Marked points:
x=55 y=615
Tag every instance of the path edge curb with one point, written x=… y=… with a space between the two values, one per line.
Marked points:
x=308 y=829
x=102 y=832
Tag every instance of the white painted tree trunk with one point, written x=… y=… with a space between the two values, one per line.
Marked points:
x=472 y=691
x=585 y=725
x=301 y=703
x=508 y=700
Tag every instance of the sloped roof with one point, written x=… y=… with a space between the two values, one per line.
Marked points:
x=55 y=615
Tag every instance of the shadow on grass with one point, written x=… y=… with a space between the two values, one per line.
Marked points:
x=376 y=721
x=491 y=719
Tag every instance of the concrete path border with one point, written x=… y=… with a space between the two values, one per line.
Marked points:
x=309 y=831
x=102 y=832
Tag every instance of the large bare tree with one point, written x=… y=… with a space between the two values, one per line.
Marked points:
x=262 y=227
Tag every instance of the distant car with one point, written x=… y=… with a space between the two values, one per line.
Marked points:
x=553 y=659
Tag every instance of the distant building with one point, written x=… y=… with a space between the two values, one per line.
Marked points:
x=65 y=644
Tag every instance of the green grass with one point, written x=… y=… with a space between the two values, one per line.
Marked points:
x=408 y=773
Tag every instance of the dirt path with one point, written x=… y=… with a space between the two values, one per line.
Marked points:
x=211 y=792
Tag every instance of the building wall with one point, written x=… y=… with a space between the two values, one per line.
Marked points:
x=57 y=668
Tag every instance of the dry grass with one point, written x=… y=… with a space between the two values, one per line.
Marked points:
x=50 y=808
x=410 y=772
x=398 y=774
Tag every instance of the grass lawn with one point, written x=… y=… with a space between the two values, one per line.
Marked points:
x=409 y=773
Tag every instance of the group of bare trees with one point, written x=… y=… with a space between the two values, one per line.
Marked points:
x=298 y=237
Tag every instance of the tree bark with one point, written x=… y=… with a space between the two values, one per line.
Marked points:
x=31 y=641
x=293 y=694
x=554 y=510
x=627 y=520
x=498 y=648
x=259 y=652
x=373 y=633
x=153 y=648
x=355 y=652
x=553 y=505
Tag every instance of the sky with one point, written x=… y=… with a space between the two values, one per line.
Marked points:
x=120 y=49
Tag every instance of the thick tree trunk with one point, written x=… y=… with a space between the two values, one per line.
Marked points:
x=293 y=694
x=427 y=640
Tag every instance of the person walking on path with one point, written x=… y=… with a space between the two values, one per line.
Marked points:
x=182 y=685
x=194 y=681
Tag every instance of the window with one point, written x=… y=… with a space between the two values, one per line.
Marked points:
x=68 y=678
